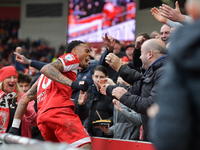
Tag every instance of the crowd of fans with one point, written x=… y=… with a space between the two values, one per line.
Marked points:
x=36 y=50
x=110 y=12
x=123 y=80
x=84 y=8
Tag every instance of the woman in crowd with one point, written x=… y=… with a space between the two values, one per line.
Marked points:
x=10 y=95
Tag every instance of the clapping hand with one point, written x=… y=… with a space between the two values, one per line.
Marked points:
x=157 y=15
x=117 y=105
x=118 y=92
x=172 y=14
x=82 y=98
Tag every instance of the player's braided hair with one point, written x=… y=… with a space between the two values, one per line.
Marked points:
x=72 y=44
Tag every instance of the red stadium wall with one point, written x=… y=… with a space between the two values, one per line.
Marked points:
x=113 y=144
x=9 y=13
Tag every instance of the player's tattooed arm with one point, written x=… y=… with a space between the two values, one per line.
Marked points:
x=30 y=95
x=32 y=92
x=53 y=72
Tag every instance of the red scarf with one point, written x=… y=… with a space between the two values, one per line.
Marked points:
x=4 y=110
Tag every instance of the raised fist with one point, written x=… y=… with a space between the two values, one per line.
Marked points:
x=81 y=85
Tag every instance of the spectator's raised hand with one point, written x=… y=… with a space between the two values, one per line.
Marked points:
x=93 y=51
x=153 y=110
x=172 y=14
x=22 y=59
x=117 y=105
x=18 y=49
x=103 y=89
x=139 y=41
x=82 y=98
x=113 y=61
x=109 y=41
x=118 y=92
x=110 y=81
x=103 y=83
x=157 y=15
x=121 y=81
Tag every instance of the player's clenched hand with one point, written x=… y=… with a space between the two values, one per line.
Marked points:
x=81 y=85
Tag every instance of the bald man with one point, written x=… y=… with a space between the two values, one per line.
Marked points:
x=176 y=126
x=165 y=33
x=141 y=95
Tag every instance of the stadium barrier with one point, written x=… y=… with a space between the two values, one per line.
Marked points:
x=13 y=142
x=115 y=144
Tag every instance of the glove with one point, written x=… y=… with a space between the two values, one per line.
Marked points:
x=81 y=85
x=14 y=131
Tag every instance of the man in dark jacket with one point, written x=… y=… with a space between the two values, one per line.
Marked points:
x=142 y=94
x=177 y=124
x=94 y=101
x=125 y=72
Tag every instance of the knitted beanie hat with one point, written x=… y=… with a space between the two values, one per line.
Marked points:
x=7 y=72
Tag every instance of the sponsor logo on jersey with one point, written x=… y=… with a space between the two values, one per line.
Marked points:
x=69 y=57
x=81 y=82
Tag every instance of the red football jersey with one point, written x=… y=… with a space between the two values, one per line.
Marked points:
x=51 y=94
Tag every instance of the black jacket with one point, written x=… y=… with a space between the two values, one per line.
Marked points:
x=136 y=58
x=142 y=94
x=103 y=104
x=177 y=124
x=85 y=75
x=129 y=75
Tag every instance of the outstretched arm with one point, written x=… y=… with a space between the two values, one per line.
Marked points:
x=22 y=59
x=109 y=42
x=21 y=108
x=18 y=65
x=53 y=72
x=33 y=63
x=137 y=52
x=26 y=98
x=128 y=113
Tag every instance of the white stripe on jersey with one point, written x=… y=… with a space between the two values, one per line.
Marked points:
x=80 y=142
x=72 y=67
x=41 y=76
